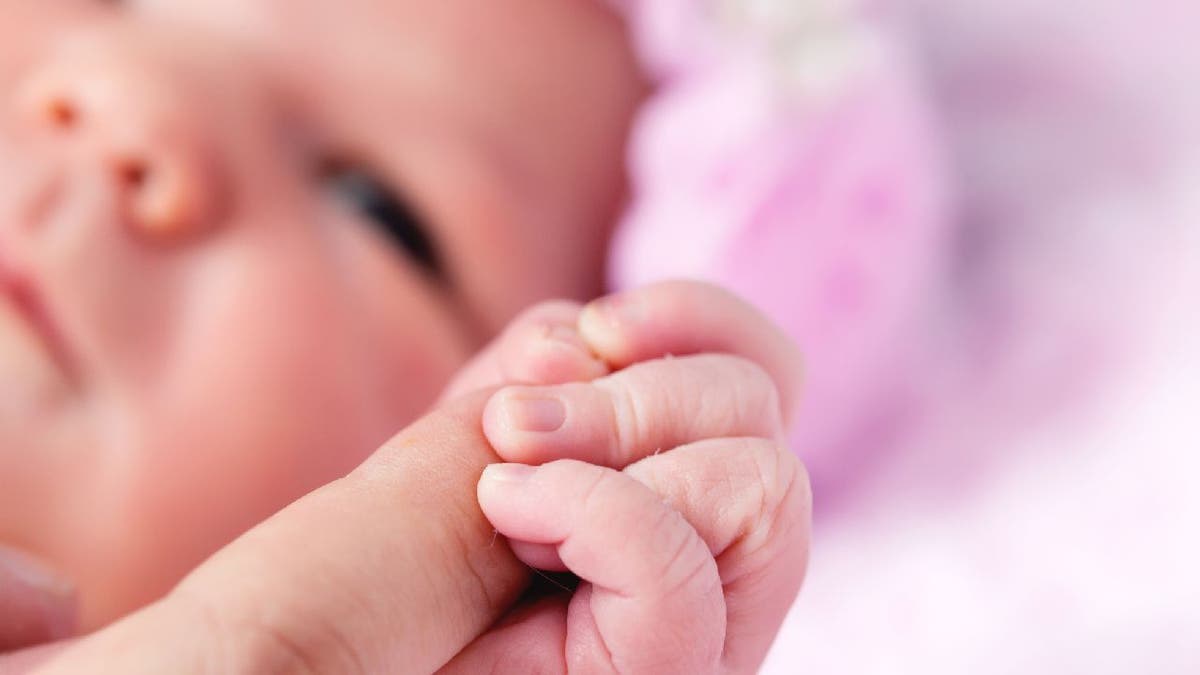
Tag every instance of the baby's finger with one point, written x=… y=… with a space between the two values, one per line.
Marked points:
x=541 y=346
x=636 y=412
x=655 y=602
x=749 y=499
x=689 y=317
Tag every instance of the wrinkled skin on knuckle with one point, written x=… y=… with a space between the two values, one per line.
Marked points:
x=225 y=649
x=757 y=395
x=595 y=497
x=650 y=398
x=315 y=646
x=243 y=639
x=686 y=560
x=783 y=513
x=473 y=565
x=626 y=419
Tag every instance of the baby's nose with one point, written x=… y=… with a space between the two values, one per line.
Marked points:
x=130 y=122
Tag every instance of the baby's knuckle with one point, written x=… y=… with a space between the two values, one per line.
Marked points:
x=689 y=562
x=754 y=390
x=598 y=487
x=629 y=415
x=795 y=502
x=779 y=473
x=763 y=498
x=787 y=499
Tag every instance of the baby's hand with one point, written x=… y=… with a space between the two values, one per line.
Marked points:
x=665 y=487
x=561 y=341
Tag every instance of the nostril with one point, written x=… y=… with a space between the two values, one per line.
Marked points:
x=133 y=173
x=61 y=113
x=164 y=197
x=124 y=128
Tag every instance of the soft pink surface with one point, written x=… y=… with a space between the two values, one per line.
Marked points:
x=988 y=254
x=822 y=206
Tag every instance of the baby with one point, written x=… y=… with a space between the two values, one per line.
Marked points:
x=258 y=238
x=243 y=243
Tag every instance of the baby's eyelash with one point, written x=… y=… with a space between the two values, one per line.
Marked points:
x=369 y=196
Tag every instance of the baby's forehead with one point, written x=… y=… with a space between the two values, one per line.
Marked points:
x=449 y=58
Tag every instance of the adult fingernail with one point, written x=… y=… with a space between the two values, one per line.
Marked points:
x=508 y=474
x=534 y=411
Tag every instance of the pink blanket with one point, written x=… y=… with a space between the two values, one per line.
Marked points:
x=980 y=221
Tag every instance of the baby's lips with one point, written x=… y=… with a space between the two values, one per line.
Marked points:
x=37 y=605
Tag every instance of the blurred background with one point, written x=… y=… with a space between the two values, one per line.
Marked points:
x=1037 y=513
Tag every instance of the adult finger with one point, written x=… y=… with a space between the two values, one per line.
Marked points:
x=390 y=569
x=636 y=412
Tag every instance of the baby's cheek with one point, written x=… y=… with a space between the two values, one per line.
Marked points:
x=151 y=514
x=194 y=474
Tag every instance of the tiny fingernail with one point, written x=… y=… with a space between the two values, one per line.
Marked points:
x=508 y=473
x=566 y=335
x=610 y=315
x=605 y=310
x=530 y=412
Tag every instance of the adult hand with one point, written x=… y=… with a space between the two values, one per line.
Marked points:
x=390 y=569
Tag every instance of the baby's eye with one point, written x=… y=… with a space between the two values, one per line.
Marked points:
x=358 y=188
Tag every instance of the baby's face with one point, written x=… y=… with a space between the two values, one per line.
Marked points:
x=244 y=241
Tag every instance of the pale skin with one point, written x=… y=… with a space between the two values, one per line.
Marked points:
x=733 y=500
